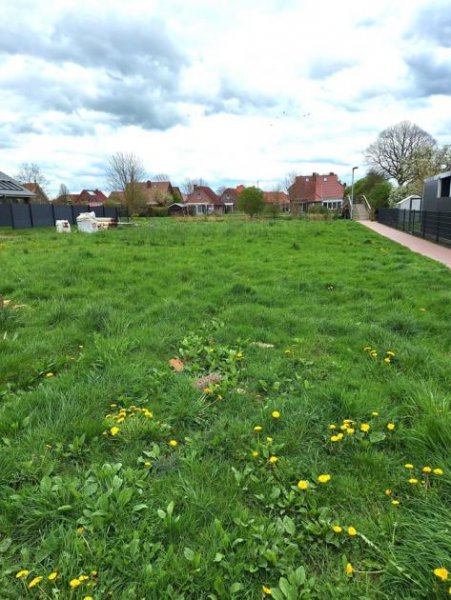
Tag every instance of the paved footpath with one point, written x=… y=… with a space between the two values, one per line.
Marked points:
x=416 y=244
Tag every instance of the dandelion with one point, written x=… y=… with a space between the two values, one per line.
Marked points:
x=114 y=431
x=173 y=443
x=74 y=583
x=324 y=478
x=387 y=360
x=390 y=353
x=273 y=459
x=88 y=598
x=258 y=428
x=332 y=426
x=408 y=466
x=337 y=528
x=395 y=502
x=266 y=591
x=373 y=353
x=388 y=492
x=147 y=413
x=426 y=469
x=269 y=440
x=275 y=414
x=413 y=481
x=303 y=484
x=438 y=471
x=352 y=531
x=349 y=569
x=374 y=414
x=365 y=427
x=350 y=430
x=48 y=375
x=83 y=578
x=441 y=573
x=147 y=464
x=94 y=573
x=80 y=530
x=22 y=573
x=367 y=349
x=36 y=581
x=52 y=576
x=391 y=426
x=335 y=438
x=254 y=454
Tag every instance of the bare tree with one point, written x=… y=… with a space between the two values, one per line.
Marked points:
x=288 y=180
x=161 y=177
x=31 y=173
x=398 y=149
x=63 y=194
x=188 y=184
x=124 y=171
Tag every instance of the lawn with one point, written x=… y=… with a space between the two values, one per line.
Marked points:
x=314 y=463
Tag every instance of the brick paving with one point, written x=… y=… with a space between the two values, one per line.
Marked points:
x=416 y=244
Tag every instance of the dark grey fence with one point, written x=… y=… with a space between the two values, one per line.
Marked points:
x=435 y=226
x=23 y=216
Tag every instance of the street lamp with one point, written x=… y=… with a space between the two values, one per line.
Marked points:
x=352 y=186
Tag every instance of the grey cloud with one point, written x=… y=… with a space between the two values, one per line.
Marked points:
x=323 y=68
x=233 y=98
x=433 y=23
x=429 y=75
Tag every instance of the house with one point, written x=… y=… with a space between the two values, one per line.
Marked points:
x=158 y=193
x=92 y=197
x=320 y=190
x=12 y=191
x=437 y=193
x=203 y=201
x=177 y=209
x=279 y=200
x=41 y=196
x=411 y=202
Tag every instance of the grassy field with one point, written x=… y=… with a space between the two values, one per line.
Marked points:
x=285 y=475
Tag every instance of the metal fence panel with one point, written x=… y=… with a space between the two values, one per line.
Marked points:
x=21 y=216
x=435 y=226
x=5 y=215
x=42 y=215
x=63 y=213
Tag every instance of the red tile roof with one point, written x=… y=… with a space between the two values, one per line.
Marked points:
x=316 y=188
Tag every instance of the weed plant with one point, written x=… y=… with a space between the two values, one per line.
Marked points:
x=311 y=460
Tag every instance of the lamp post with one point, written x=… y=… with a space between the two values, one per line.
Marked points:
x=352 y=186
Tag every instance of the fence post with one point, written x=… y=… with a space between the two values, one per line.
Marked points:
x=404 y=220
x=31 y=215
x=53 y=215
x=13 y=225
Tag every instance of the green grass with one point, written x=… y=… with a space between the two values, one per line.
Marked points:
x=105 y=313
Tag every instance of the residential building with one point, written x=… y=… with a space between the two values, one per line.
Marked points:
x=92 y=197
x=411 y=202
x=41 y=196
x=279 y=200
x=12 y=191
x=310 y=190
x=437 y=193
x=203 y=201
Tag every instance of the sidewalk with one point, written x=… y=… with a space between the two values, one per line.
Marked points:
x=416 y=244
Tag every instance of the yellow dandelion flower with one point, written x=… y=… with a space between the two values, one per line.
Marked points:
x=254 y=454
x=269 y=440
x=324 y=478
x=332 y=426
x=113 y=405
x=147 y=464
x=303 y=484
x=273 y=460
x=80 y=530
x=88 y=598
x=173 y=443
x=373 y=353
x=349 y=569
x=374 y=413
x=413 y=481
x=74 y=583
x=426 y=469
x=22 y=573
x=114 y=431
x=258 y=428
x=83 y=578
x=266 y=591
x=36 y=581
x=337 y=528
x=350 y=430
x=352 y=531
x=335 y=438
x=120 y=420
x=438 y=471
x=94 y=573
x=391 y=426
x=395 y=502
x=52 y=576
x=344 y=427
x=365 y=427
x=390 y=353
x=147 y=413
x=275 y=414
x=388 y=492
x=408 y=466
x=441 y=573
x=48 y=375
x=387 y=360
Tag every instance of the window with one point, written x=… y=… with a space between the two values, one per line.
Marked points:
x=444 y=187
x=324 y=178
x=307 y=179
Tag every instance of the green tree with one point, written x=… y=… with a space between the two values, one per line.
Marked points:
x=251 y=201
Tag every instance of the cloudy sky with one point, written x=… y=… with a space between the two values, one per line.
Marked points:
x=233 y=91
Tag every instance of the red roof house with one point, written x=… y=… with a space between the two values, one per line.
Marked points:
x=277 y=199
x=325 y=190
x=203 y=201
